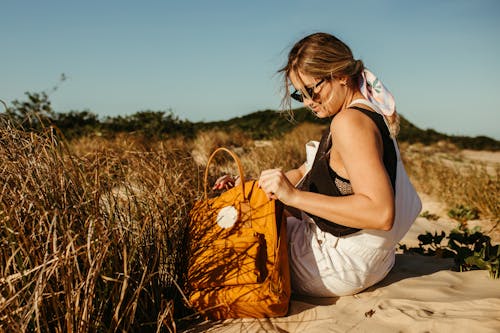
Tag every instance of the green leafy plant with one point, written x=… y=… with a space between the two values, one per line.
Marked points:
x=464 y=213
x=430 y=245
x=473 y=250
x=487 y=258
x=470 y=249
x=427 y=215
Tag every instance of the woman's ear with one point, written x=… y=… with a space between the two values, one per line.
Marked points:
x=343 y=80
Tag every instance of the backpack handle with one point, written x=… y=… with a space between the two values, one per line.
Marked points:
x=238 y=163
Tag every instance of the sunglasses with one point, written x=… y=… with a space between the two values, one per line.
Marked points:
x=299 y=97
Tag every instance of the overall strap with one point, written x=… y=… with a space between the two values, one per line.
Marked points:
x=376 y=109
x=391 y=152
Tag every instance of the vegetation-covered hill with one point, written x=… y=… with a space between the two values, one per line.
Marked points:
x=269 y=123
x=37 y=112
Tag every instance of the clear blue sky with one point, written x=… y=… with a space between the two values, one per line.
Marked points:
x=212 y=60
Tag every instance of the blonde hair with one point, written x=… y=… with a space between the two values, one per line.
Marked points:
x=322 y=55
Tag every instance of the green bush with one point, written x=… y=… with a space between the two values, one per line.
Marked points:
x=470 y=249
x=464 y=213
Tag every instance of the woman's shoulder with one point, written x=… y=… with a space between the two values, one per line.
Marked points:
x=352 y=120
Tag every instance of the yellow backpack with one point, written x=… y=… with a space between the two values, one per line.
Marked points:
x=238 y=265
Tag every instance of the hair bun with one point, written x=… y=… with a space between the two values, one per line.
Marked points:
x=358 y=67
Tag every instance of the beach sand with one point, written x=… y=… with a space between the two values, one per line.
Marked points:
x=420 y=294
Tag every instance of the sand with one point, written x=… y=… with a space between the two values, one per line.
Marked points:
x=420 y=294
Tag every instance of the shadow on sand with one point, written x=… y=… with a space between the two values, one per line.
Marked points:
x=407 y=266
x=410 y=265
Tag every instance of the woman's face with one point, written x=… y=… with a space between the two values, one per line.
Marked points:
x=328 y=96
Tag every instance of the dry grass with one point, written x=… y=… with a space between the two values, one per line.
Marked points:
x=442 y=171
x=92 y=234
x=90 y=242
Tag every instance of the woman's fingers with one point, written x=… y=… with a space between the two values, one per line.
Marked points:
x=223 y=182
x=276 y=185
x=270 y=181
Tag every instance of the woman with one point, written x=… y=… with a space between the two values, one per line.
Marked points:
x=342 y=240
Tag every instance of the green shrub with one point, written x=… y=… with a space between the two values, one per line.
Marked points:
x=470 y=249
x=464 y=213
x=427 y=215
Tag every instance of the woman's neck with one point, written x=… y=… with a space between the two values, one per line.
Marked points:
x=352 y=96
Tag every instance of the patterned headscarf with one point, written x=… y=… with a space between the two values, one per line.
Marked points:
x=374 y=91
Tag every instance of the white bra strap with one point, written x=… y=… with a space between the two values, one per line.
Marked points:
x=370 y=105
x=367 y=103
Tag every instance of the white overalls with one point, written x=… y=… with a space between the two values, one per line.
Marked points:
x=324 y=265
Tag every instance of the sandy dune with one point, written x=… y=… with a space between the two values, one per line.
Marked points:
x=488 y=157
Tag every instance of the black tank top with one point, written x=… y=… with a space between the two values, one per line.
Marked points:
x=322 y=178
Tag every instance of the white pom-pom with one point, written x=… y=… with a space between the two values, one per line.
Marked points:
x=227 y=217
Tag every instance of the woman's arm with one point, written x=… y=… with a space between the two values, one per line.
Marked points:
x=295 y=175
x=358 y=142
x=226 y=182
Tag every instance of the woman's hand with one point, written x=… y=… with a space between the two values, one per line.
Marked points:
x=226 y=182
x=277 y=186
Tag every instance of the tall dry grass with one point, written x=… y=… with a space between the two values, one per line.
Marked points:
x=255 y=155
x=91 y=242
x=441 y=171
x=93 y=233
x=286 y=153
